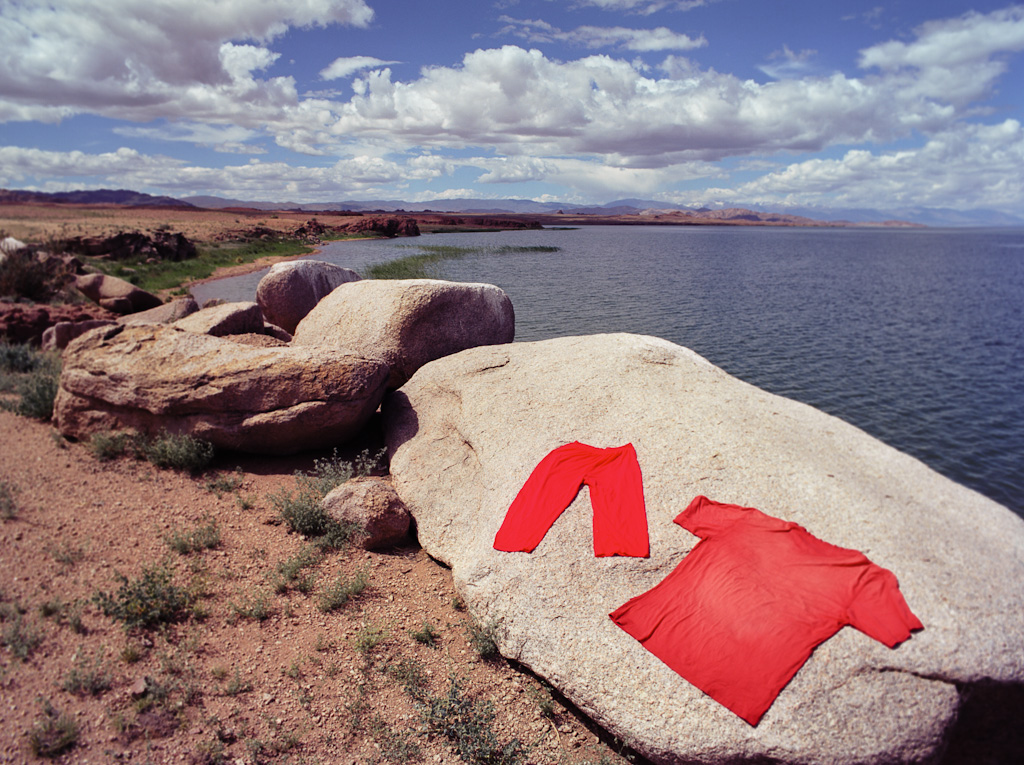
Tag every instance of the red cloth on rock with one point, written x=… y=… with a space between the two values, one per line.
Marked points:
x=745 y=608
x=616 y=495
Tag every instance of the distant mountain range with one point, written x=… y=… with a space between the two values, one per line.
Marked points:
x=630 y=206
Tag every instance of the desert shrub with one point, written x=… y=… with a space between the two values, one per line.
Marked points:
x=19 y=636
x=16 y=357
x=203 y=537
x=149 y=601
x=35 y=384
x=292 y=573
x=87 y=678
x=468 y=724
x=427 y=635
x=179 y=452
x=302 y=509
x=53 y=733
x=255 y=606
x=24 y=275
x=482 y=638
x=106 y=445
x=8 y=503
x=342 y=590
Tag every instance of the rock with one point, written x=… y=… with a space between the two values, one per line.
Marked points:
x=8 y=245
x=60 y=334
x=21 y=323
x=274 y=331
x=265 y=400
x=409 y=322
x=290 y=290
x=389 y=227
x=164 y=314
x=224 y=319
x=466 y=431
x=134 y=245
x=99 y=287
x=372 y=505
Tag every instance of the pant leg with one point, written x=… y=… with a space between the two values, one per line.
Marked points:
x=617 y=496
x=551 y=488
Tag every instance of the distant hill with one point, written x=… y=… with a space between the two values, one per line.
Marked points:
x=94 y=197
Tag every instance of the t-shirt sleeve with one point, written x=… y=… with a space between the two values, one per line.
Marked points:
x=879 y=610
x=705 y=517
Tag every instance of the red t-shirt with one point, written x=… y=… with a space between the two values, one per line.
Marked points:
x=746 y=607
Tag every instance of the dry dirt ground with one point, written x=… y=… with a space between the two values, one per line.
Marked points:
x=224 y=684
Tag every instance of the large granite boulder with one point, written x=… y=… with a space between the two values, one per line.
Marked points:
x=290 y=290
x=267 y=400
x=178 y=308
x=409 y=322
x=115 y=294
x=224 y=319
x=466 y=431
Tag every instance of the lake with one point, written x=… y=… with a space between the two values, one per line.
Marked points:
x=915 y=336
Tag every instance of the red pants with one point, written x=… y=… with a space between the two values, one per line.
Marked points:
x=616 y=494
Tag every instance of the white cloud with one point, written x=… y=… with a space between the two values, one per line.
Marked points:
x=645 y=7
x=143 y=59
x=225 y=138
x=641 y=40
x=963 y=167
x=127 y=168
x=787 y=64
x=344 y=67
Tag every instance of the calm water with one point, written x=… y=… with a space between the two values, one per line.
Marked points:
x=915 y=336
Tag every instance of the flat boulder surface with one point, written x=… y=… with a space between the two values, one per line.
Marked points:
x=276 y=400
x=467 y=430
x=224 y=319
x=290 y=290
x=408 y=322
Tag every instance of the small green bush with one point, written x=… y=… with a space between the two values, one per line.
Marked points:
x=342 y=590
x=87 y=678
x=146 y=602
x=106 y=445
x=19 y=636
x=203 y=537
x=482 y=638
x=427 y=635
x=8 y=503
x=36 y=387
x=256 y=606
x=368 y=637
x=468 y=724
x=18 y=358
x=52 y=734
x=292 y=574
x=179 y=452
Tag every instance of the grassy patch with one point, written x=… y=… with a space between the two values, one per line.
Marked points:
x=483 y=639
x=292 y=573
x=19 y=636
x=8 y=503
x=165 y=275
x=31 y=374
x=255 y=606
x=206 y=536
x=426 y=635
x=422 y=265
x=87 y=677
x=468 y=724
x=368 y=637
x=179 y=452
x=342 y=590
x=146 y=602
x=221 y=484
x=53 y=733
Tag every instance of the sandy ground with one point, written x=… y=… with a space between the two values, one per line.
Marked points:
x=221 y=686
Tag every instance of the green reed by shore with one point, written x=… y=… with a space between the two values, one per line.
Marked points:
x=422 y=265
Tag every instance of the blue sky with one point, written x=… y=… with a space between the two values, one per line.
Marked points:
x=770 y=102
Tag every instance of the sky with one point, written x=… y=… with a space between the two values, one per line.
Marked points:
x=880 y=104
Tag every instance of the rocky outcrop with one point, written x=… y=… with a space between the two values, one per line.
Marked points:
x=115 y=294
x=164 y=314
x=133 y=245
x=408 y=322
x=372 y=507
x=466 y=431
x=290 y=290
x=224 y=319
x=389 y=227
x=23 y=323
x=267 y=400
x=60 y=334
